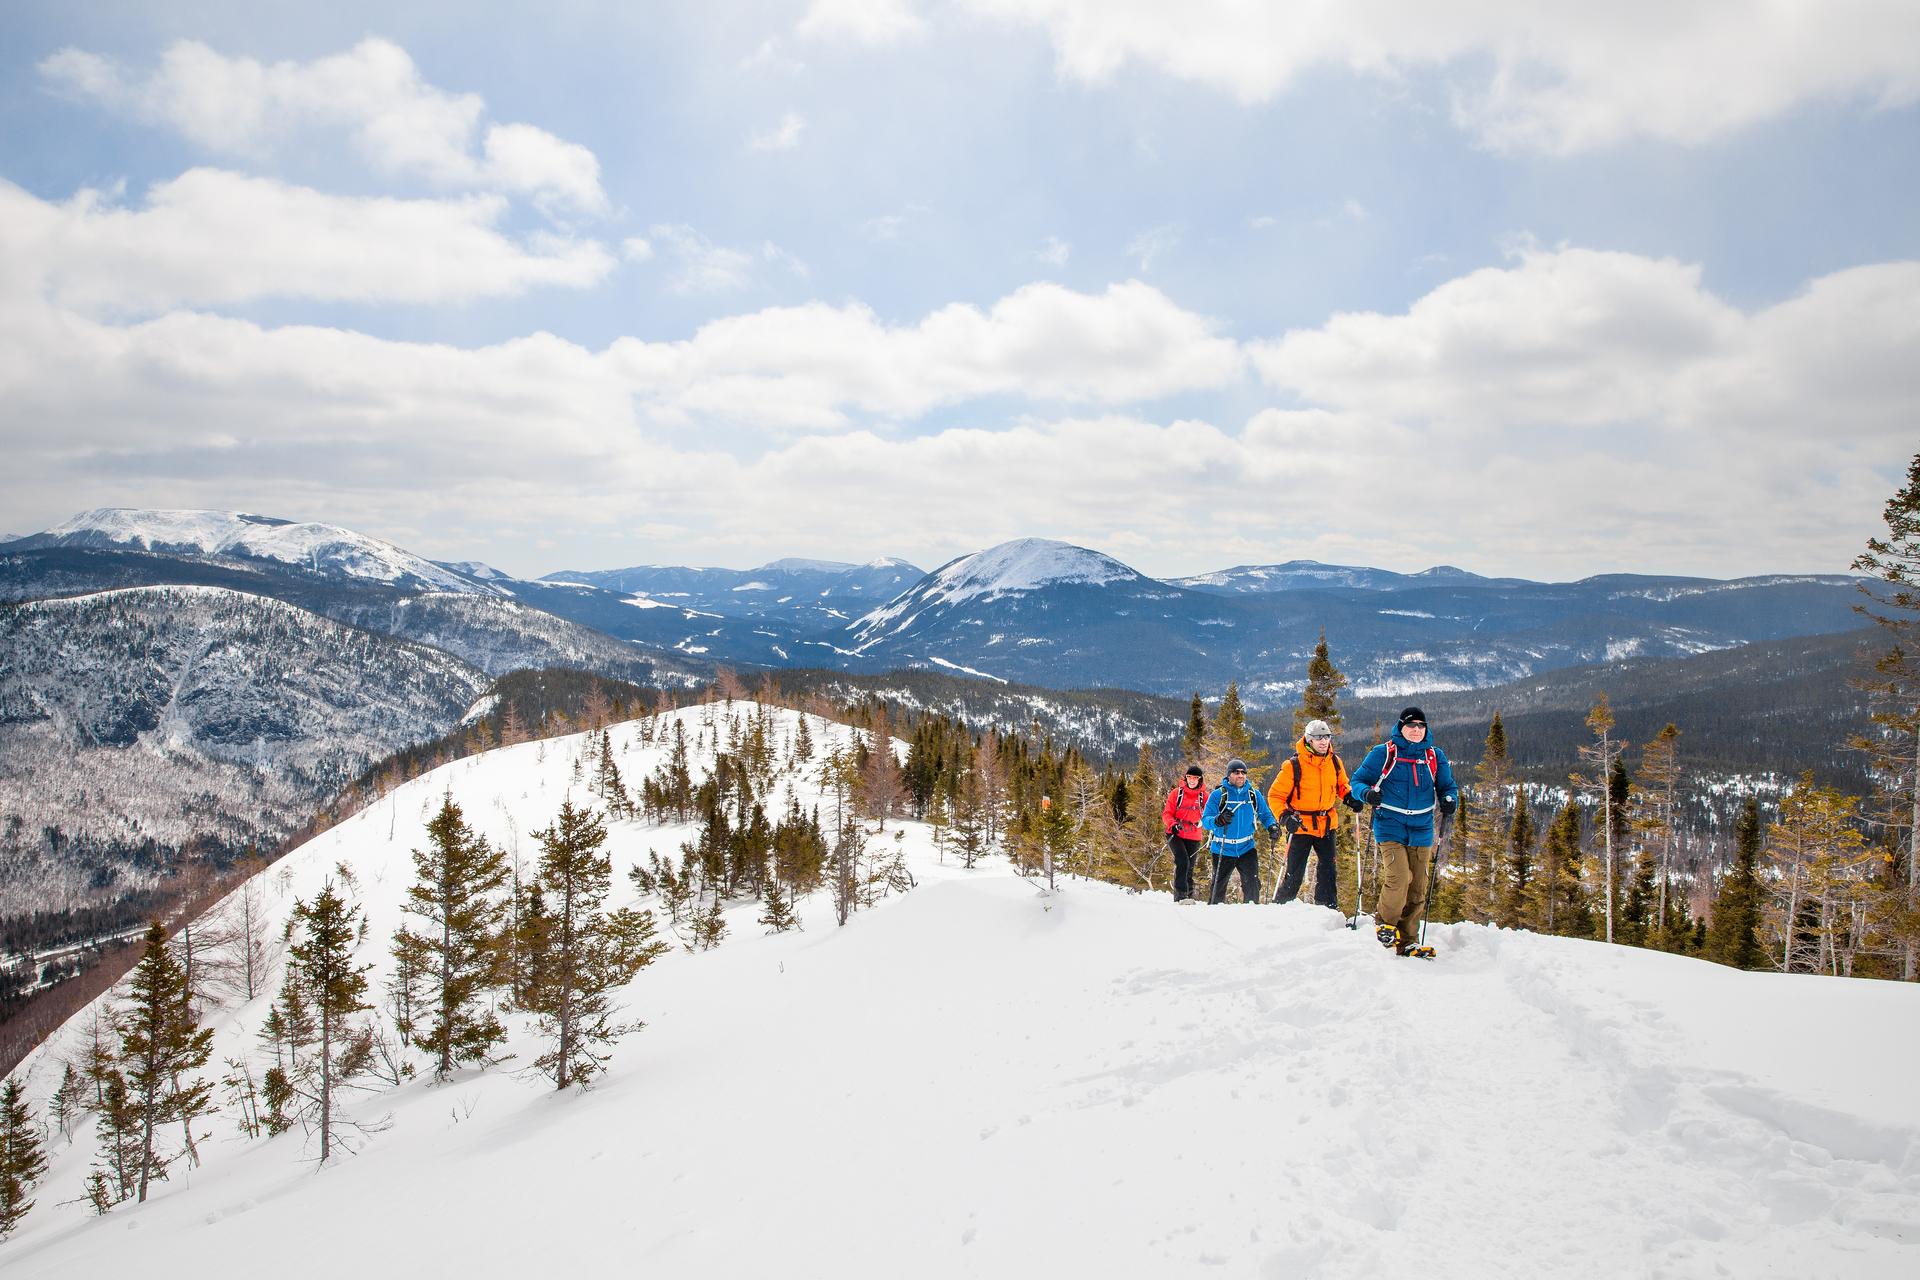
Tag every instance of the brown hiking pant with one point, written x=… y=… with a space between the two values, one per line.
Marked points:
x=1403 y=888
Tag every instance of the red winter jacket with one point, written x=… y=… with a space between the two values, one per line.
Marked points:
x=1181 y=813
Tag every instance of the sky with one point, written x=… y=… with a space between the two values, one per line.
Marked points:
x=1543 y=290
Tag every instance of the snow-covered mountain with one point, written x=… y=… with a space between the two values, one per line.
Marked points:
x=803 y=595
x=989 y=1081
x=1298 y=575
x=321 y=549
x=139 y=722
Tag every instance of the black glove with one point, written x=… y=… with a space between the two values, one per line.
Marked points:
x=1222 y=820
x=1292 y=823
x=1375 y=795
x=1353 y=801
x=1448 y=804
x=1172 y=829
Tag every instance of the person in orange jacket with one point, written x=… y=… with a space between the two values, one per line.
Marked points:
x=1306 y=795
x=1180 y=816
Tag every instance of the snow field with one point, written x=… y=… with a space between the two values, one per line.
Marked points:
x=978 y=1079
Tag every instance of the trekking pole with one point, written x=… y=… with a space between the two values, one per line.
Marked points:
x=1433 y=874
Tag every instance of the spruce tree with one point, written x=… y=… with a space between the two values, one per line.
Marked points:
x=22 y=1160
x=1733 y=934
x=160 y=1042
x=587 y=952
x=1320 y=699
x=779 y=915
x=458 y=954
x=334 y=988
x=1894 y=690
x=1519 y=901
x=68 y=1101
x=1194 y=738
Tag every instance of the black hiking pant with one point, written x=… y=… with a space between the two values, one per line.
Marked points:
x=1248 y=865
x=1183 y=855
x=1325 y=885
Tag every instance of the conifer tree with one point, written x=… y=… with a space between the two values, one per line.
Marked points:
x=22 y=1160
x=779 y=915
x=1193 y=739
x=1520 y=897
x=68 y=1101
x=1603 y=752
x=333 y=987
x=587 y=952
x=446 y=967
x=1733 y=935
x=160 y=1042
x=1320 y=699
x=1821 y=888
x=1480 y=831
x=1564 y=893
x=1894 y=688
x=117 y=1139
x=1655 y=821
x=1228 y=736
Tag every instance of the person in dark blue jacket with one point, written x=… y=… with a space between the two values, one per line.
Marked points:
x=1234 y=814
x=1410 y=785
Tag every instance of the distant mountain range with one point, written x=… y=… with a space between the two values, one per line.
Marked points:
x=213 y=674
x=1030 y=611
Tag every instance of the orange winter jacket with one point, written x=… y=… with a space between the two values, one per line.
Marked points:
x=1311 y=785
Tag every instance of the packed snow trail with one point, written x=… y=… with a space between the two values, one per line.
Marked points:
x=980 y=1080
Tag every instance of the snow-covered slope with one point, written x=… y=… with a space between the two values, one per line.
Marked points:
x=322 y=549
x=978 y=1080
x=138 y=722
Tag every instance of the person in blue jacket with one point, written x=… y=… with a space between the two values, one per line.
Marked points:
x=1410 y=785
x=1234 y=814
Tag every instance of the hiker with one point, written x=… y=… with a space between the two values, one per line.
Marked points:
x=1306 y=794
x=1180 y=815
x=1406 y=779
x=1234 y=813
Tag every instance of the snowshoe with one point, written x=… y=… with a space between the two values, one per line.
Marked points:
x=1388 y=935
x=1418 y=952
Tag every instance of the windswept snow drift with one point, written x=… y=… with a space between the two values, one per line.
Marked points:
x=981 y=1080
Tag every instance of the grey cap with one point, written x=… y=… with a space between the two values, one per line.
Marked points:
x=1236 y=763
x=1318 y=729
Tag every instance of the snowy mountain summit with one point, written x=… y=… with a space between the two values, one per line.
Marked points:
x=1009 y=569
x=323 y=549
x=992 y=1080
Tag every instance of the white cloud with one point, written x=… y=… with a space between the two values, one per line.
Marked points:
x=1054 y=252
x=1574 y=337
x=1767 y=441
x=870 y=22
x=705 y=267
x=883 y=228
x=1560 y=76
x=810 y=366
x=784 y=136
x=636 y=249
x=211 y=237
x=373 y=92
x=1150 y=244
x=1262 y=222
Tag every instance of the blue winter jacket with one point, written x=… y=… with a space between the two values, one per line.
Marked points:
x=1409 y=796
x=1247 y=810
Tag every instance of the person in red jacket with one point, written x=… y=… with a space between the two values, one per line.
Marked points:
x=1180 y=816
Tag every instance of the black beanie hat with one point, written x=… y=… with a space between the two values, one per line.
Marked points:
x=1195 y=771
x=1413 y=715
